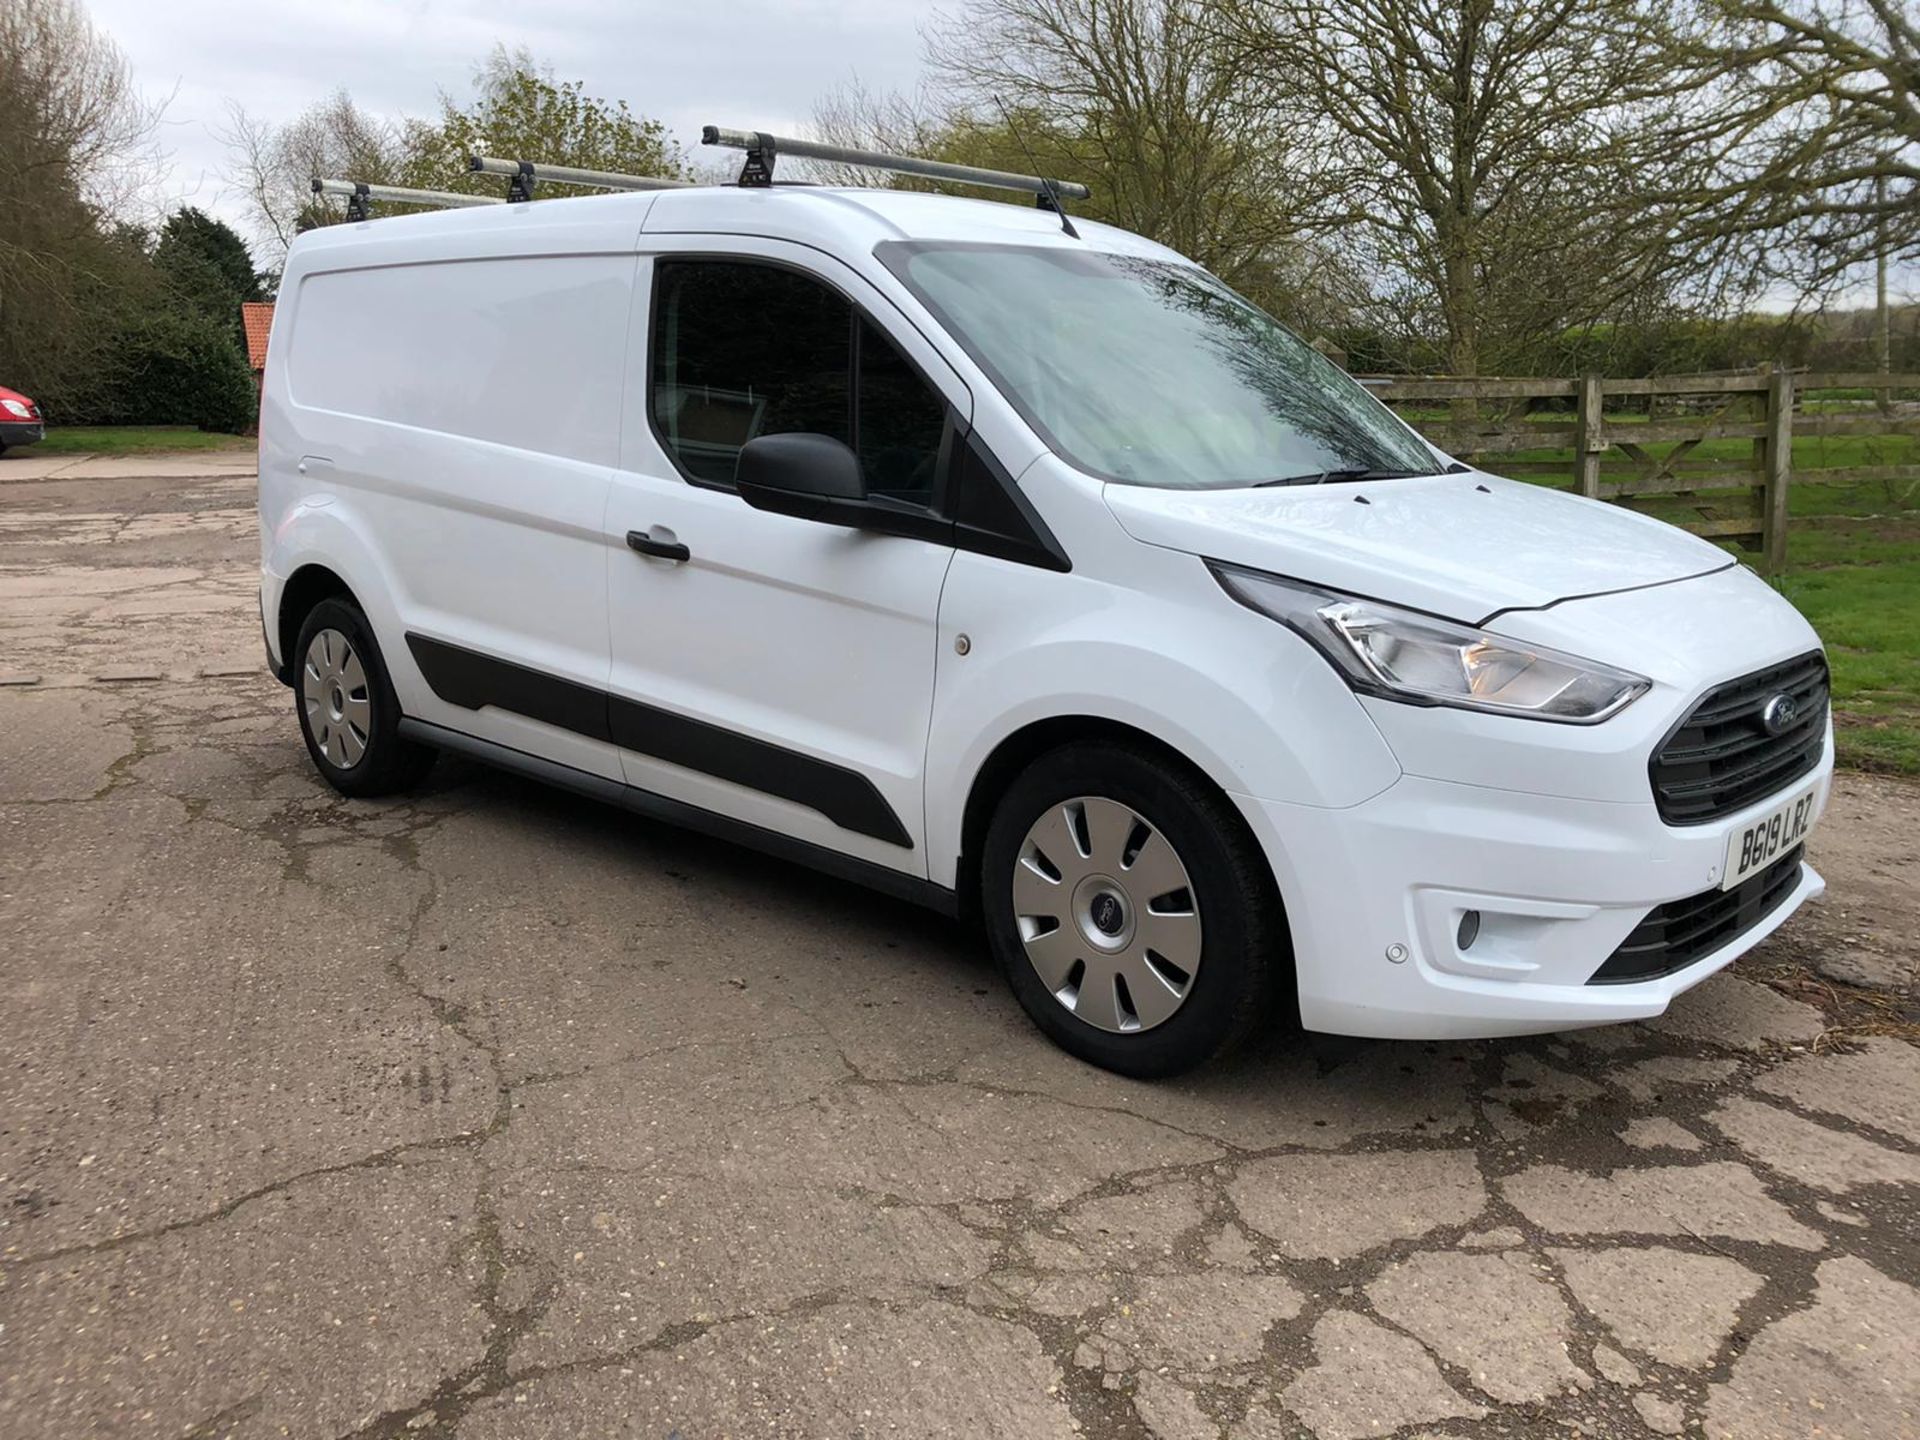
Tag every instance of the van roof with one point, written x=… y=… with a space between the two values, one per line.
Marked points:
x=830 y=217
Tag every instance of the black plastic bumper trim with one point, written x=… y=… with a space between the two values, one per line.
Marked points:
x=1684 y=932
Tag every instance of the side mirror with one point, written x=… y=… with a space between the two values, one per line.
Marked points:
x=813 y=477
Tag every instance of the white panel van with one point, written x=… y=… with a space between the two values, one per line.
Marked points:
x=1035 y=576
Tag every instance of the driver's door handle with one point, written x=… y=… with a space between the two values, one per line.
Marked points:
x=662 y=549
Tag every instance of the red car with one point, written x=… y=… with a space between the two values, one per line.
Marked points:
x=20 y=422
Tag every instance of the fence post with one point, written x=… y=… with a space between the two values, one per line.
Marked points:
x=1776 y=470
x=1589 y=440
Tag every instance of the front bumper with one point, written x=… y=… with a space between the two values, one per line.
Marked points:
x=22 y=432
x=1375 y=894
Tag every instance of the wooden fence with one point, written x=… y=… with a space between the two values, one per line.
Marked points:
x=1638 y=442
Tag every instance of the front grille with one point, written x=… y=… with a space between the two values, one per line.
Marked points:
x=1680 y=932
x=1721 y=759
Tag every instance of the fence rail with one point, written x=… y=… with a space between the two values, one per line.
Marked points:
x=1634 y=441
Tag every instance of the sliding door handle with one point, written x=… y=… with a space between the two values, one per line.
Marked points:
x=661 y=549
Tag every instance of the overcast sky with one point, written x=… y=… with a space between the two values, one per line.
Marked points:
x=753 y=64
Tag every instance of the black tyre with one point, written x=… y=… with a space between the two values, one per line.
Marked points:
x=347 y=708
x=1132 y=910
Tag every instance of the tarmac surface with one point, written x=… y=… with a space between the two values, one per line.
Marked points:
x=495 y=1113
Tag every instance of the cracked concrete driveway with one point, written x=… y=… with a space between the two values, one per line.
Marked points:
x=491 y=1112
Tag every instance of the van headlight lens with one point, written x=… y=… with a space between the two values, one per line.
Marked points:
x=1404 y=655
x=14 y=407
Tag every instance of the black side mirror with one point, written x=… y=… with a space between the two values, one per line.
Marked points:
x=813 y=477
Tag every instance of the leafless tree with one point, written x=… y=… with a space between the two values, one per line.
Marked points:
x=1818 y=127
x=274 y=165
x=1133 y=96
x=1498 y=160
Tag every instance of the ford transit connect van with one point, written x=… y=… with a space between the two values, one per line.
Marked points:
x=1032 y=575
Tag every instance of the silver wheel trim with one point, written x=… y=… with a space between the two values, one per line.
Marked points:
x=1107 y=915
x=333 y=693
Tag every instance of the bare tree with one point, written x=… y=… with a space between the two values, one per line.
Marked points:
x=1818 y=129
x=275 y=165
x=1139 y=98
x=1497 y=159
x=900 y=123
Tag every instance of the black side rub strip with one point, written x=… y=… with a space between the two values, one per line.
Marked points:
x=692 y=817
x=472 y=681
x=846 y=797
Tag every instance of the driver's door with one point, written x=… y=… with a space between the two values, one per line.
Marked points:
x=781 y=673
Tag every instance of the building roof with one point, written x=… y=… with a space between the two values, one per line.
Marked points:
x=257 y=316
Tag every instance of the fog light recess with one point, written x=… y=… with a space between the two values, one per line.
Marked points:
x=1469 y=929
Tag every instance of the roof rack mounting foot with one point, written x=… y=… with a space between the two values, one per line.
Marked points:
x=520 y=187
x=757 y=172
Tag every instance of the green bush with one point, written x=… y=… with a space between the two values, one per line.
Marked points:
x=176 y=368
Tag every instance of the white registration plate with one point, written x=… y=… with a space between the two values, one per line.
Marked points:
x=1756 y=845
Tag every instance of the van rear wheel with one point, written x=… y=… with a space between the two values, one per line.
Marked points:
x=1131 y=909
x=348 y=713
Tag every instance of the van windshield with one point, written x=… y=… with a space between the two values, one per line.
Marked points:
x=1154 y=373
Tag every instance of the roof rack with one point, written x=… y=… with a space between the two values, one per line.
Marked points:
x=762 y=149
x=524 y=174
x=360 y=196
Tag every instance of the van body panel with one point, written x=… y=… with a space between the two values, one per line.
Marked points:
x=1134 y=636
x=1461 y=545
x=468 y=436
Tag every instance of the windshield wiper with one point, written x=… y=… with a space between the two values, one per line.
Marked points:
x=1322 y=477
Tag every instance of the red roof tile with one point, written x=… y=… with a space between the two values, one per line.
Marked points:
x=257 y=316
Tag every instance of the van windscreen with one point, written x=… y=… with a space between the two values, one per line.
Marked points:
x=1151 y=372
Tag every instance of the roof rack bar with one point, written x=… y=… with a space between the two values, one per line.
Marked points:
x=525 y=173
x=761 y=149
x=360 y=196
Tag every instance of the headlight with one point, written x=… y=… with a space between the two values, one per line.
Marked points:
x=14 y=407
x=1404 y=655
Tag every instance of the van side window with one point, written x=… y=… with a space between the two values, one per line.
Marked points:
x=746 y=350
x=742 y=349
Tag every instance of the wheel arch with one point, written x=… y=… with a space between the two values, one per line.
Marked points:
x=1019 y=749
x=305 y=588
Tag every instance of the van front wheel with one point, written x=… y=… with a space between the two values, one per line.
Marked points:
x=1131 y=909
x=346 y=706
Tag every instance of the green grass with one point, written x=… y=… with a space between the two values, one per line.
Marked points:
x=1853 y=568
x=1868 y=612
x=132 y=440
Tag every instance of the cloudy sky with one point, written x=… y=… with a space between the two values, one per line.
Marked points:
x=755 y=64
